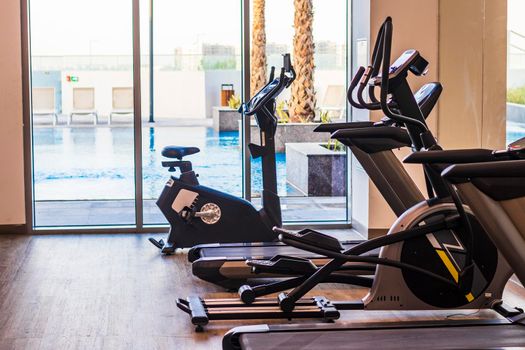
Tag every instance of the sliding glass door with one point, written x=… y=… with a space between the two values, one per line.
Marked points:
x=312 y=169
x=197 y=78
x=515 y=71
x=96 y=146
x=82 y=112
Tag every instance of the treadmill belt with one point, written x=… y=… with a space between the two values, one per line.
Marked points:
x=464 y=337
x=266 y=251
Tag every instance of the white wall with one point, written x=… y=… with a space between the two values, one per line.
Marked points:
x=178 y=94
x=516 y=78
x=11 y=139
x=213 y=81
x=102 y=81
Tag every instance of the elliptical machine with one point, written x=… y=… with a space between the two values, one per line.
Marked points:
x=430 y=259
x=199 y=214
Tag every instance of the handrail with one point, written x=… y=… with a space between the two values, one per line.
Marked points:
x=385 y=74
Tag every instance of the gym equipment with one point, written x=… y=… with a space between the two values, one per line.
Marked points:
x=450 y=334
x=199 y=214
x=495 y=191
x=372 y=144
x=432 y=257
x=496 y=194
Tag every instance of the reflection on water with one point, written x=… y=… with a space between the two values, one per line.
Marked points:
x=98 y=163
x=515 y=131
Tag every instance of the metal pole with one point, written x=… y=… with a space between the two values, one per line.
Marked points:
x=137 y=120
x=151 y=89
x=246 y=131
x=26 y=110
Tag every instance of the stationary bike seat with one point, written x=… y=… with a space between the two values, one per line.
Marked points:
x=179 y=151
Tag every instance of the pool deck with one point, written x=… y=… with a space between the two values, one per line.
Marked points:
x=44 y=121
x=122 y=212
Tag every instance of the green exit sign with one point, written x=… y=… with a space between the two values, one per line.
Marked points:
x=72 y=78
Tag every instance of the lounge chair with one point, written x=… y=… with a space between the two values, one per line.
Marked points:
x=334 y=101
x=122 y=102
x=44 y=102
x=83 y=104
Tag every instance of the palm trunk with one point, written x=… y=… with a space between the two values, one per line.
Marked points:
x=302 y=103
x=258 y=54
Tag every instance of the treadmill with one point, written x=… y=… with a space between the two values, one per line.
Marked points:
x=372 y=144
x=495 y=191
x=450 y=334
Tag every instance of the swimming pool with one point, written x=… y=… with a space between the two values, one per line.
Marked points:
x=94 y=163
x=97 y=162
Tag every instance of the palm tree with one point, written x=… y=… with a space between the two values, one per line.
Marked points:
x=302 y=102
x=258 y=59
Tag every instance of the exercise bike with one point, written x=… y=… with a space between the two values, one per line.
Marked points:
x=198 y=214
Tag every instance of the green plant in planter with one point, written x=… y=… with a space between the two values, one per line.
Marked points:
x=281 y=112
x=325 y=117
x=234 y=102
x=332 y=145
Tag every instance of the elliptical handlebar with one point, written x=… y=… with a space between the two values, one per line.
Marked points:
x=385 y=80
x=363 y=83
x=353 y=85
x=363 y=76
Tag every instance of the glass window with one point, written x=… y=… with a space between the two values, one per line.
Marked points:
x=82 y=116
x=515 y=71
x=196 y=90
x=311 y=169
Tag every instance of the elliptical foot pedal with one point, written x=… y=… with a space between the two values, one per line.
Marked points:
x=201 y=311
x=284 y=265
x=194 y=307
x=311 y=237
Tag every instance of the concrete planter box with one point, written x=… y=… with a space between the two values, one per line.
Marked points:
x=290 y=132
x=225 y=119
x=516 y=113
x=316 y=170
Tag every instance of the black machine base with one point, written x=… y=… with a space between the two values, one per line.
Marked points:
x=165 y=248
x=202 y=311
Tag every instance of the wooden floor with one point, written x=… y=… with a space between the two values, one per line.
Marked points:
x=117 y=292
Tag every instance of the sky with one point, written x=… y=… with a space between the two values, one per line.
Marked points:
x=103 y=27
x=516 y=11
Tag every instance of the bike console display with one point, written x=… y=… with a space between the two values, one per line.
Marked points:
x=262 y=104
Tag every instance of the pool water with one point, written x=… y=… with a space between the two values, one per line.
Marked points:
x=97 y=163
x=515 y=131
